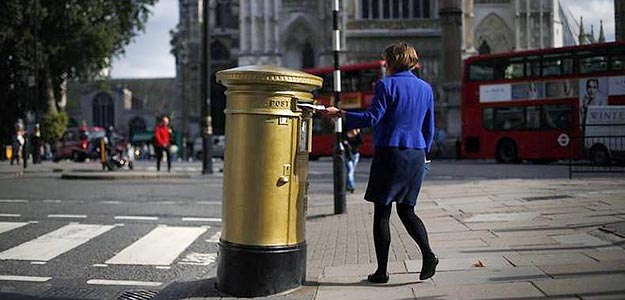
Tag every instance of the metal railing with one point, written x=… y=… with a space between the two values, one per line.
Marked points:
x=597 y=154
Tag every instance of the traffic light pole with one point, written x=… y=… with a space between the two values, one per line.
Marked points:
x=206 y=123
x=339 y=150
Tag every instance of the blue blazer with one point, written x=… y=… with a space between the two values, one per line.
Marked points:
x=401 y=114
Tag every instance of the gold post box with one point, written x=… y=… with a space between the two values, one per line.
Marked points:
x=262 y=249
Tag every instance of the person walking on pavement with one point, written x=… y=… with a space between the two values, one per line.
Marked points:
x=402 y=116
x=36 y=143
x=18 y=142
x=161 y=142
x=352 y=142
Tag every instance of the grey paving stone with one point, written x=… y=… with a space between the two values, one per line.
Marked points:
x=459 y=264
x=358 y=288
x=577 y=270
x=548 y=259
x=607 y=255
x=579 y=239
x=361 y=270
x=502 y=217
x=582 y=285
x=480 y=291
x=489 y=275
x=521 y=240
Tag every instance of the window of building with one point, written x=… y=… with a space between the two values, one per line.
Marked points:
x=308 y=56
x=395 y=9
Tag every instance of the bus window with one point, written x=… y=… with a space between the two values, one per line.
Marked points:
x=488 y=118
x=533 y=66
x=510 y=118
x=481 y=70
x=617 y=62
x=515 y=69
x=532 y=117
x=556 y=116
x=593 y=64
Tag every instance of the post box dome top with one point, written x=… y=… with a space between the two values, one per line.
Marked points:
x=264 y=74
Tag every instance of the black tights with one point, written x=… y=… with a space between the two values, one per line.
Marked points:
x=382 y=233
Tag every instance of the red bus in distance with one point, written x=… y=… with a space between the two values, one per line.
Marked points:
x=357 y=83
x=542 y=104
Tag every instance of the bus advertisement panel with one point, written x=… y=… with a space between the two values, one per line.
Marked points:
x=535 y=105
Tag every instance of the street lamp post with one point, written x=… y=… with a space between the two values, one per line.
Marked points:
x=339 y=150
x=207 y=130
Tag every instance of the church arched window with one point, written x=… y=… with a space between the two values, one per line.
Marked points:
x=219 y=15
x=395 y=9
x=308 y=56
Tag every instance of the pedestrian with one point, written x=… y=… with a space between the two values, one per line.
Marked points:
x=402 y=117
x=352 y=142
x=36 y=143
x=161 y=142
x=18 y=142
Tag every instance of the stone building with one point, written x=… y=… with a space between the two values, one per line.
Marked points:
x=297 y=34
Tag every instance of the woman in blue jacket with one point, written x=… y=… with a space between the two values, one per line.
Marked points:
x=402 y=117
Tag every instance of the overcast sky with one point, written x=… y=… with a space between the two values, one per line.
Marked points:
x=148 y=56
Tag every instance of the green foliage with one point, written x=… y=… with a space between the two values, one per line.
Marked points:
x=53 y=125
x=61 y=40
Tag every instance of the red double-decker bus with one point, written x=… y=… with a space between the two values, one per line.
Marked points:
x=539 y=105
x=357 y=83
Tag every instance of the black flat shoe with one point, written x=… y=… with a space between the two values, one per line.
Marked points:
x=378 y=278
x=429 y=267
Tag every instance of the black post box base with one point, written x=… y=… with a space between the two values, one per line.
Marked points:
x=253 y=271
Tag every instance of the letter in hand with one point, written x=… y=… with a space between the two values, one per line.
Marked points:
x=332 y=111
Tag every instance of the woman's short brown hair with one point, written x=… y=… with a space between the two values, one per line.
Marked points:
x=401 y=57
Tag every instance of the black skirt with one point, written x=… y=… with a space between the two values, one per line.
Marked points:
x=396 y=175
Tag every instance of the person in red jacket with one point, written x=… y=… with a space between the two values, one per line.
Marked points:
x=161 y=142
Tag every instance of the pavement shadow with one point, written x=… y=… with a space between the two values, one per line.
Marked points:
x=190 y=289
x=319 y=216
x=362 y=283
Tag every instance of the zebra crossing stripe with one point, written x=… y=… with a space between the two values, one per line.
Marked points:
x=8 y=226
x=122 y=282
x=24 y=278
x=55 y=243
x=160 y=247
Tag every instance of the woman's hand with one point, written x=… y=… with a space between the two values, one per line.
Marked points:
x=334 y=112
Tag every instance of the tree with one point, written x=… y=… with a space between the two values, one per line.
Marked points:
x=71 y=39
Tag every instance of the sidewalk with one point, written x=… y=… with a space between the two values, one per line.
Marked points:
x=496 y=239
x=499 y=239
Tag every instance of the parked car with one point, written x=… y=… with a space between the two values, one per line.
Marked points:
x=77 y=143
x=219 y=144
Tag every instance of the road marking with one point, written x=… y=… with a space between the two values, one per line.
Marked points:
x=192 y=219
x=55 y=243
x=199 y=259
x=13 y=201
x=160 y=247
x=52 y=201
x=37 y=262
x=166 y=202
x=24 y=278
x=68 y=216
x=8 y=226
x=99 y=265
x=209 y=202
x=122 y=282
x=215 y=237
x=110 y=202
x=143 y=218
x=10 y=215
x=163 y=267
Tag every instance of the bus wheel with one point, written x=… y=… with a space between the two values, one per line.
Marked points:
x=506 y=152
x=599 y=154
